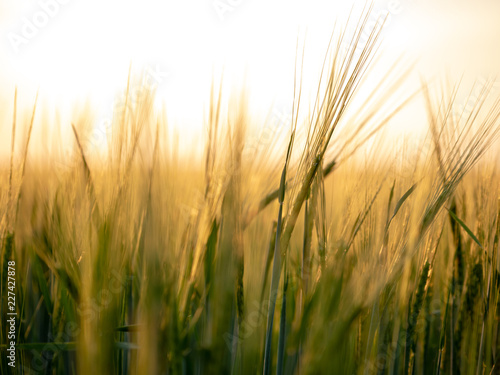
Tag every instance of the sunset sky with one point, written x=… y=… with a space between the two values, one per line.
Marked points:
x=76 y=50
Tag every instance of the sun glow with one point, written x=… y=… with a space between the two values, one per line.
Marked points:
x=73 y=50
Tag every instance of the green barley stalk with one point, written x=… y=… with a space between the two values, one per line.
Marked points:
x=428 y=326
x=282 y=333
x=309 y=217
x=321 y=234
x=413 y=318
x=487 y=301
x=275 y=275
x=339 y=92
x=269 y=259
x=442 y=338
x=278 y=256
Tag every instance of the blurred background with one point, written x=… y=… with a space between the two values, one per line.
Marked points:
x=80 y=51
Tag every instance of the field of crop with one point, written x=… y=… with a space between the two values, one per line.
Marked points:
x=290 y=257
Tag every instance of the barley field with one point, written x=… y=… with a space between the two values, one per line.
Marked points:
x=319 y=250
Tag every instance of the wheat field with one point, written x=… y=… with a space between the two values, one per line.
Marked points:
x=288 y=256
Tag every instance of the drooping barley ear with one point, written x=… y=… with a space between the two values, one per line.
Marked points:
x=459 y=256
x=25 y=156
x=467 y=313
x=473 y=288
x=88 y=175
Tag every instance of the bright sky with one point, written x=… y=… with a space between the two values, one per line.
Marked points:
x=80 y=49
